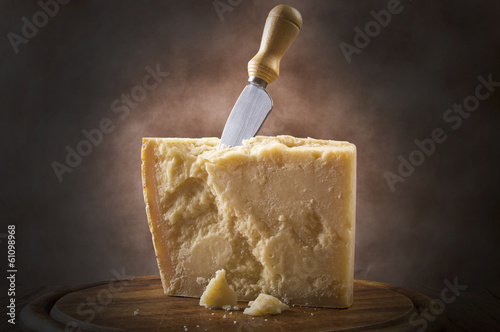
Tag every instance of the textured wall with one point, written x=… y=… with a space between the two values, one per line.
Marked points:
x=440 y=221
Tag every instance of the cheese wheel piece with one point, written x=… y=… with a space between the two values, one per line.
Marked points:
x=278 y=214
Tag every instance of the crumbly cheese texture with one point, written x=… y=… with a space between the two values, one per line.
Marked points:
x=218 y=293
x=265 y=305
x=278 y=214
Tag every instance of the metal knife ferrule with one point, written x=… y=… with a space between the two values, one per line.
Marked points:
x=257 y=81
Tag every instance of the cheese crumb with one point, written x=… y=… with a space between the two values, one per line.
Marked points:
x=265 y=305
x=201 y=281
x=228 y=308
x=218 y=293
x=136 y=312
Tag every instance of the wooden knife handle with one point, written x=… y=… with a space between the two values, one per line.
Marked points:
x=282 y=27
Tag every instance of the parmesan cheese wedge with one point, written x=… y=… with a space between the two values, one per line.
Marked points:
x=278 y=214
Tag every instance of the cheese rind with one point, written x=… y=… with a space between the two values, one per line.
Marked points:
x=265 y=305
x=278 y=214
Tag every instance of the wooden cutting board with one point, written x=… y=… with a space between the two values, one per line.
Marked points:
x=139 y=304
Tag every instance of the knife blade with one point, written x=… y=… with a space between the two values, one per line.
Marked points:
x=254 y=104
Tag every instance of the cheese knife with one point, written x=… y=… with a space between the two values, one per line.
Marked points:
x=254 y=104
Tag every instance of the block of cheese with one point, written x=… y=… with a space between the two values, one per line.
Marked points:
x=278 y=214
x=265 y=305
x=219 y=294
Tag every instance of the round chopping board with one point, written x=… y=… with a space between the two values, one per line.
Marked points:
x=139 y=304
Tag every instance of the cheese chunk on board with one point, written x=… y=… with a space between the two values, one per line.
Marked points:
x=219 y=294
x=277 y=214
x=265 y=305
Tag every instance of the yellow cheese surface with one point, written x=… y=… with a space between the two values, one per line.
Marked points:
x=218 y=293
x=278 y=214
x=265 y=305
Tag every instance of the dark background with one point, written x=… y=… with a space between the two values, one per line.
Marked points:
x=441 y=222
